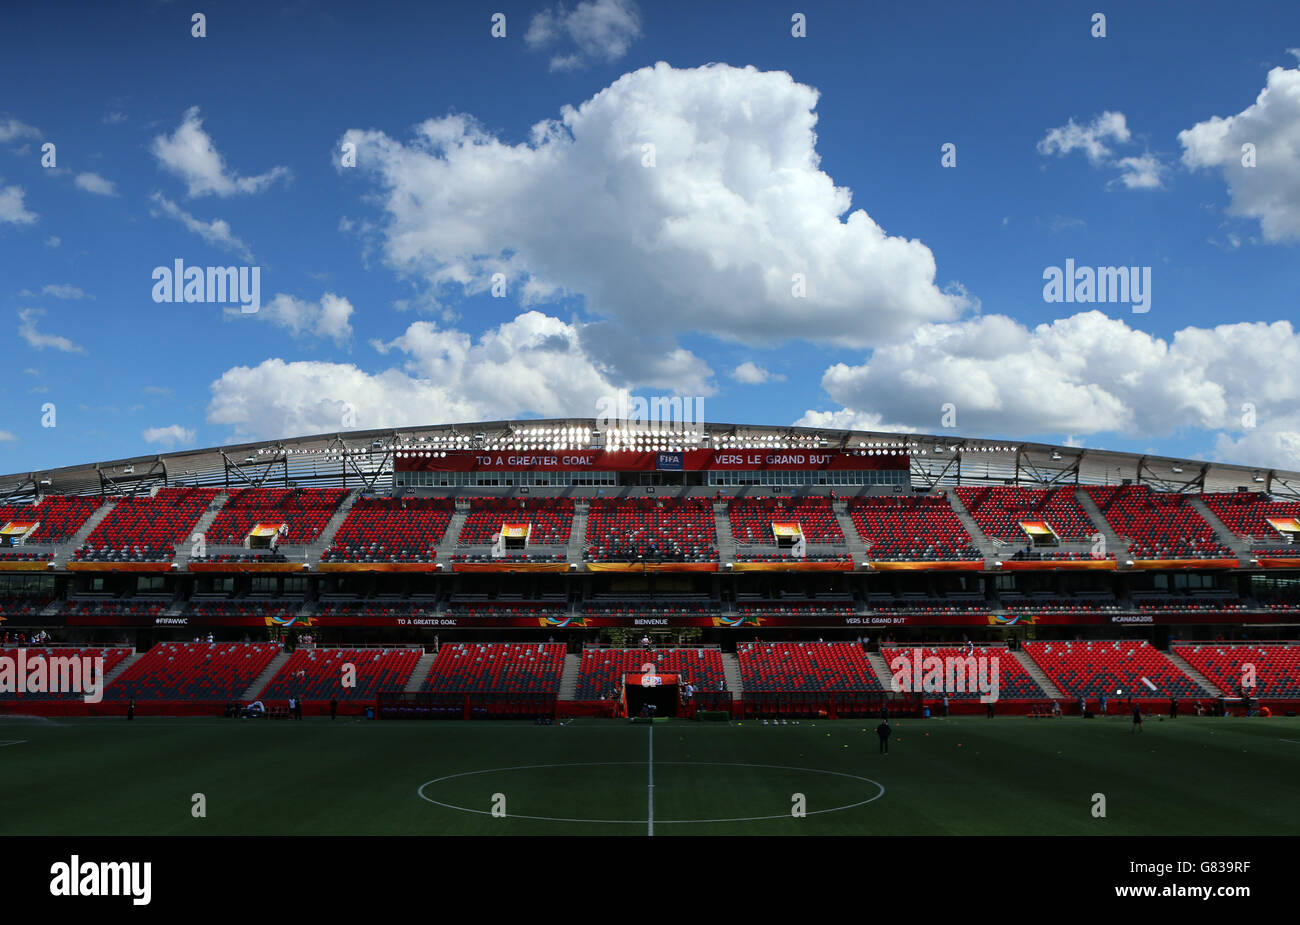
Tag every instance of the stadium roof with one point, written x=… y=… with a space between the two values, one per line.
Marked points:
x=363 y=458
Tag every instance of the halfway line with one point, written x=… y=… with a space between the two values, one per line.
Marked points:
x=650 y=810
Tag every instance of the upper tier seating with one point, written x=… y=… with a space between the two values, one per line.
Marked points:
x=999 y=510
x=550 y=518
x=318 y=674
x=144 y=607
x=923 y=529
x=375 y=608
x=675 y=529
x=391 y=530
x=245 y=607
x=529 y=667
x=194 y=671
x=305 y=510
x=1092 y=668
x=1157 y=525
x=112 y=658
x=147 y=529
x=752 y=518
x=805 y=667
x=1246 y=514
x=59 y=517
x=1276 y=668
x=23 y=605
x=602 y=670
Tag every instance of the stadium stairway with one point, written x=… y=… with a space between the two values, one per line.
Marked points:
x=978 y=538
x=415 y=683
x=1240 y=548
x=122 y=666
x=578 y=531
x=731 y=673
x=881 y=667
x=447 y=548
x=79 y=538
x=1039 y=676
x=726 y=541
x=569 y=678
x=1183 y=665
x=1114 y=544
x=201 y=527
x=326 y=537
x=262 y=680
x=852 y=539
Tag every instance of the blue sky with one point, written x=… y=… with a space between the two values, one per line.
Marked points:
x=775 y=156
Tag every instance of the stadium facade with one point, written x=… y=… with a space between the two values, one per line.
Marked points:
x=572 y=526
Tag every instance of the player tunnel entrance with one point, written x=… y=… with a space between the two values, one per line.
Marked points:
x=647 y=692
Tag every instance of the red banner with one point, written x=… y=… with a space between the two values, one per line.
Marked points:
x=639 y=461
x=420 y=619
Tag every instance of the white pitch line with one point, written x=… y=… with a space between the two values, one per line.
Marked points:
x=1294 y=741
x=12 y=742
x=650 y=817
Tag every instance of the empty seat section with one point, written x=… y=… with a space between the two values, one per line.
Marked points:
x=531 y=667
x=1157 y=525
x=305 y=511
x=549 y=519
x=391 y=530
x=1013 y=681
x=999 y=512
x=911 y=529
x=319 y=674
x=601 y=671
x=1091 y=668
x=147 y=529
x=805 y=666
x=1247 y=514
x=1274 y=669
x=112 y=658
x=752 y=518
x=194 y=671
x=673 y=529
x=59 y=517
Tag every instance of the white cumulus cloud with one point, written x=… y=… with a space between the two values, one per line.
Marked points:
x=12 y=207
x=734 y=231
x=328 y=318
x=190 y=154
x=216 y=232
x=597 y=30
x=531 y=365
x=39 y=341
x=94 y=183
x=171 y=436
x=1086 y=374
x=1269 y=191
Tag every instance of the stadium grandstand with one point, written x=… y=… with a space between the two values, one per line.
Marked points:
x=513 y=568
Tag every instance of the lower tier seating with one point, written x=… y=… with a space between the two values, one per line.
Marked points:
x=319 y=674
x=194 y=671
x=523 y=667
x=1095 y=667
x=1275 y=669
x=112 y=658
x=602 y=670
x=805 y=666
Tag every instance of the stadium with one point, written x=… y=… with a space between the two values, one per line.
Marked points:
x=548 y=611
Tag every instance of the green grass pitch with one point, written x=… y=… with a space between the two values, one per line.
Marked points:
x=1192 y=776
